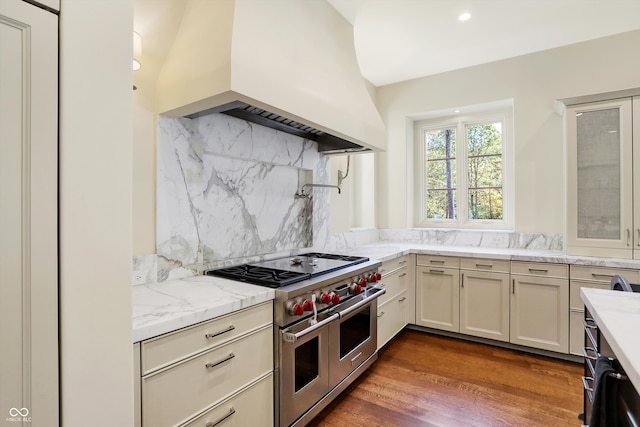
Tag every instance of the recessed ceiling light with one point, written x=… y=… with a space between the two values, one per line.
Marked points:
x=465 y=16
x=456 y=111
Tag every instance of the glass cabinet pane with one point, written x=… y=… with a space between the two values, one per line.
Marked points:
x=598 y=174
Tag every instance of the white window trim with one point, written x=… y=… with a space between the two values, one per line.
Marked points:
x=460 y=123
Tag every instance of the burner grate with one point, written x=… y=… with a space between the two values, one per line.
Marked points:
x=271 y=277
x=349 y=258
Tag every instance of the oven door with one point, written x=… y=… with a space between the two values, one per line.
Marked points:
x=304 y=367
x=354 y=336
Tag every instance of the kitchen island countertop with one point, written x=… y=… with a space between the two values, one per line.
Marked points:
x=163 y=307
x=617 y=315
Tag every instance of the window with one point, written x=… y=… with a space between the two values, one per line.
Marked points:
x=464 y=170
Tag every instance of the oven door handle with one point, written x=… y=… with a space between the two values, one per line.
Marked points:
x=293 y=337
x=365 y=301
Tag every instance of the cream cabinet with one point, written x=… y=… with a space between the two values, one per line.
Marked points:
x=208 y=372
x=29 y=360
x=603 y=148
x=588 y=277
x=395 y=307
x=484 y=298
x=540 y=306
x=438 y=292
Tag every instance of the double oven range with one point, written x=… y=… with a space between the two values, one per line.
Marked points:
x=325 y=312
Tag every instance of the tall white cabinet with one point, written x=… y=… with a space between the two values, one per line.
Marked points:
x=28 y=217
x=603 y=197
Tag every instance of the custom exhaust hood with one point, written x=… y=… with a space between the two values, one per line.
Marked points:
x=285 y=64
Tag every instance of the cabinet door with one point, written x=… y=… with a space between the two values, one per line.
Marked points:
x=636 y=177
x=540 y=312
x=600 y=197
x=437 y=298
x=484 y=304
x=392 y=318
x=28 y=216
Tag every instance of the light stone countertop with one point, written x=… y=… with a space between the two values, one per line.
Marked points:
x=617 y=314
x=163 y=307
x=384 y=251
x=166 y=306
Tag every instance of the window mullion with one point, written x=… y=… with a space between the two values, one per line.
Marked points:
x=463 y=165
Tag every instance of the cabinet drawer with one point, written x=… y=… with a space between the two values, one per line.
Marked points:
x=393 y=264
x=252 y=407
x=482 y=264
x=575 y=302
x=540 y=269
x=392 y=318
x=394 y=283
x=169 y=348
x=603 y=274
x=438 y=261
x=175 y=394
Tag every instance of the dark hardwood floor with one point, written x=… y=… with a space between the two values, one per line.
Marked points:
x=422 y=379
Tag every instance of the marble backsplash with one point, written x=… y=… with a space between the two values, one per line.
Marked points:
x=225 y=194
x=474 y=238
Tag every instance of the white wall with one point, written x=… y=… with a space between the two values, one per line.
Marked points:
x=534 y=82
x=95 y=212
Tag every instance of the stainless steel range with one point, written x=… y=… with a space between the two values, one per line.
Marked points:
x=325 y=311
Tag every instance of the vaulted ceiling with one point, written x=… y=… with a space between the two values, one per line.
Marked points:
x=399 y=40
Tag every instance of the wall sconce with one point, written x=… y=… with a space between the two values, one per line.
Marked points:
x=137 y=51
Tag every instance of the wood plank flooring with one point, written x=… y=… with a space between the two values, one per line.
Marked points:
x=422 y=379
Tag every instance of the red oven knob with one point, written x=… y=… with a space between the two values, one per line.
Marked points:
x=335 y=298
x=373 y=278
x=378 y=276
x=325 y=298
x=296 y=310
x=363 y=282
x=307 y=305
x=356 y=289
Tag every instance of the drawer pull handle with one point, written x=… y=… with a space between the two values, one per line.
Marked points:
x=402 y=275
x=538 y=270
x=381 y=314
x=484 y=265
x=590 y=323
x=403 y=262
x=224 y=331
x=608 y=276
x=436 y=271
x=357 y=356
x=224 y=417
x=402 y=299
x=588 y=389
x=220 y=362
x=436 y=261
x=587 y=350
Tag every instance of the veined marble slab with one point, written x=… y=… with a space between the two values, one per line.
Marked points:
x=226 y=191
x=618 y=317
x=166 y=306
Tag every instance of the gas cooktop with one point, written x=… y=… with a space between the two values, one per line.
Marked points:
x=286 y=271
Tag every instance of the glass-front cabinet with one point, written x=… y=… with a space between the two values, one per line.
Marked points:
x=600 y=196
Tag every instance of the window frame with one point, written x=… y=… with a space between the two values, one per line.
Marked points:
x=460 y=124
